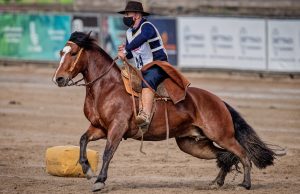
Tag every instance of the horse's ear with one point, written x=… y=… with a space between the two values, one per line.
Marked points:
x=89 y=34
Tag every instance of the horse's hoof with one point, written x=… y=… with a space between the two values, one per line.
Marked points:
x=98 y=186
x=217 y=183
x=245 y=185
x=89 y=174
x=214 y=185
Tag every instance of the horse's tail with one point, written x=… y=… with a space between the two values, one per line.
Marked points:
x=259 y=153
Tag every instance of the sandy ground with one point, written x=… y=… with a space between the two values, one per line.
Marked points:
x=35 y=115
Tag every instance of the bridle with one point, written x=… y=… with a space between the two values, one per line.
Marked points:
x=77 y=58
x=77 y=83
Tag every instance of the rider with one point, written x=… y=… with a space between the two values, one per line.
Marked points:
x=143 y=45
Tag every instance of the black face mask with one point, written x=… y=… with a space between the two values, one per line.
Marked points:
x=128 y=21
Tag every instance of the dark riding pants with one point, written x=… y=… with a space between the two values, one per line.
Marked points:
x=154 y=76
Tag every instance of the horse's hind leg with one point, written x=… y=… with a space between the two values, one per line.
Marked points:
x=220 y=129
x=232 y=145
x=205 y=150
x=225 y=160
x=92 y=134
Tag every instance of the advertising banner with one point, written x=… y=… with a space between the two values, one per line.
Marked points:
x=33 y=37
x=284 y=45
x=167 y=30
x=114 y=34
x=222 y=43
x=86 y=24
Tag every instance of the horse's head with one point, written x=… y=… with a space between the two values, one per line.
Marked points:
x=73 y=59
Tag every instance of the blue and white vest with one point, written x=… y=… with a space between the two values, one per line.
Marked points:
x=144 y=54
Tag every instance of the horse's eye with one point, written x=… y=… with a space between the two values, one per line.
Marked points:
x=73 y=54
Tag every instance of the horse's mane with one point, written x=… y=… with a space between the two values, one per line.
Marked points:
x=88 y=43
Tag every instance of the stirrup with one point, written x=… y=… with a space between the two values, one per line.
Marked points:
x=142 y=119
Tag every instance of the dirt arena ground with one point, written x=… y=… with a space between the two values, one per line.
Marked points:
x=35 y=115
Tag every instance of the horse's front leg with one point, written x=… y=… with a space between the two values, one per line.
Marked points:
x=114 y=137
x=92 y=134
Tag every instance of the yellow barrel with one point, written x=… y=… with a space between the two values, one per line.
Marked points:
x=63 y=161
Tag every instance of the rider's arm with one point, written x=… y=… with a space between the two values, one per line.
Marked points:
x=128 y=53
x=147 y=32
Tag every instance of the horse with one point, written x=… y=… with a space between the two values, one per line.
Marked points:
x=203 y=125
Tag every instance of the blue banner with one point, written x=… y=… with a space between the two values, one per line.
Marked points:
x=167 y=30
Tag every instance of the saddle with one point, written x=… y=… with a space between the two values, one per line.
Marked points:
x=135 y=87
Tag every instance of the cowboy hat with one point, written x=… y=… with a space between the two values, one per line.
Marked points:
x=134 y=6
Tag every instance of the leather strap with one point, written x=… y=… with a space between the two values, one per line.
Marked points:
x=76 y=60
x=167 y=127
x=132 y=95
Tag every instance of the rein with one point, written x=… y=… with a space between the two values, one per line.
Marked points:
x=77 y=83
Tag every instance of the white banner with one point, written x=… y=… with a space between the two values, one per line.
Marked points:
x=234 y=43
x=284 y=45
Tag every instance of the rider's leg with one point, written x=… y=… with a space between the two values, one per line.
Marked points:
x=154 y=76
x=143 y=118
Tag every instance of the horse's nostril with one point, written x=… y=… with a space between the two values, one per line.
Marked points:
x=59 y=79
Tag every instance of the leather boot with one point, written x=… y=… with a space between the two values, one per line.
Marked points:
x=143 y=118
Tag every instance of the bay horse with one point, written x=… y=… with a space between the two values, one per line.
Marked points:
x=197 y=122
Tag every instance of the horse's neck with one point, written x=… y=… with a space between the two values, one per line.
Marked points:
x=97 y=66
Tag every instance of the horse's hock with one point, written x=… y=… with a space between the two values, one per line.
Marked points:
x=63 y=161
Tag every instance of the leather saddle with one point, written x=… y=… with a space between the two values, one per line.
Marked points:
x=136 y=83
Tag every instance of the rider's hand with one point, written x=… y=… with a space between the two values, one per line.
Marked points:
x=121 y=55
x=121 y=47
